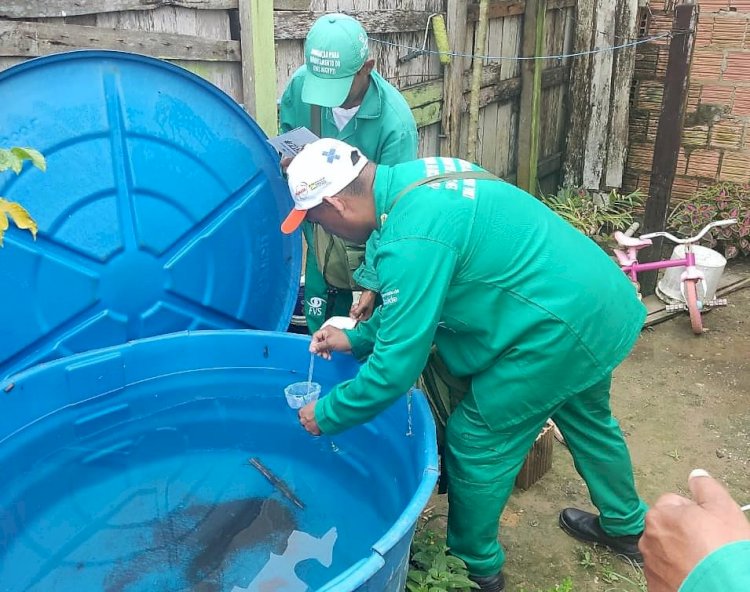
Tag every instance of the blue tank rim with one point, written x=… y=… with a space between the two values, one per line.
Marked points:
x=360 y=573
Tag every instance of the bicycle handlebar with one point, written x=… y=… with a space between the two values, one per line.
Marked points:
x=692 y=239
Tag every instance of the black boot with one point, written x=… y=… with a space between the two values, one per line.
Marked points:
x=584 y=526
x=494 y=583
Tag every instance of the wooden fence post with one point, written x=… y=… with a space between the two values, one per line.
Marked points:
x=458 y=12
x=531 y=95
x=669 y=133
x=623 y=67
x=259 y=62
x=579 y=95
x=480 y=41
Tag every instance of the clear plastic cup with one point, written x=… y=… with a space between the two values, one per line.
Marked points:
x=299 y=394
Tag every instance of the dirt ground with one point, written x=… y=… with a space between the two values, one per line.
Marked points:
x=683 y=402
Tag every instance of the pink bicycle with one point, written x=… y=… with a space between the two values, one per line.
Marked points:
x=692 y=281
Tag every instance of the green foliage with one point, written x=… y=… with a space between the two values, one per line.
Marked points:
x=432 y=569
x=620 y=578
x=13 y=159
x=565 y=586
x=593 y=213
x=717 y=202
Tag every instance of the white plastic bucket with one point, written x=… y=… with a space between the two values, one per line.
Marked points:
x=707 y=260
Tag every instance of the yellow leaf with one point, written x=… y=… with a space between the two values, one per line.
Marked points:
x=3 y=226
x=21 y=218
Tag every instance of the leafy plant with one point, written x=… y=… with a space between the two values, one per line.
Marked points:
x=432 y=569
x=717 y=202
x=593 y=213
x=13 y=159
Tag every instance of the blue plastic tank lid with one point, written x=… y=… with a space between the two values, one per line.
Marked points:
x=159 y=211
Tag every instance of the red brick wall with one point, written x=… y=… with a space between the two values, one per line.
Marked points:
x=716 y=136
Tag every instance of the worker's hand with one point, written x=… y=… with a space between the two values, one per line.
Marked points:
x=329 y=339
x=680 y=532
x=285 y=162
x=307 y=418
x=363 y=309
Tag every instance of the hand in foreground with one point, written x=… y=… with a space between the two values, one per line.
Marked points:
x=285 y=162
x=307 y=418
x=363 y=309
x=329 y=339
x=680 y=532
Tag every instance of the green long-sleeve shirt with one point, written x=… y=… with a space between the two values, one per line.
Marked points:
x=384 y=130
x=725 y=570
x=510 y=294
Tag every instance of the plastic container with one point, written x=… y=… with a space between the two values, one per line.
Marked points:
x=299 y=394
x=707 y=260
x=119 y=465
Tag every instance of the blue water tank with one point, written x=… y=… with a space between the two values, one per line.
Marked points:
x=137 y=455
x=127 y=468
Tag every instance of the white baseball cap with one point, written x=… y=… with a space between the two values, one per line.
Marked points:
x=322 y=169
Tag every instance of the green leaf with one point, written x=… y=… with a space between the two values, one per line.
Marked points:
x=458 y=581
x=440 y=563
x=8 y=160
x=34 y=156
x=5 y=157
x=455 y=562
x=418 y=577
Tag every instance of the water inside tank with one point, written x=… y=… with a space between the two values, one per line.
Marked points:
x=168 y=500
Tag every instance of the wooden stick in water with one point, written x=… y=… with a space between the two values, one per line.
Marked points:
x=277 y=483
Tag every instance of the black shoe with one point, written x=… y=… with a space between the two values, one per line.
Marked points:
x=494 y=583
x=584 y=526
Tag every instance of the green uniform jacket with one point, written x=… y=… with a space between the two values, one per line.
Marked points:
x=510 y=294
x=385 y=131
x=725 y=570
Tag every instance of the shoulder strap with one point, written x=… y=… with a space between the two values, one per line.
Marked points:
x=315 y=120
x=458 y=175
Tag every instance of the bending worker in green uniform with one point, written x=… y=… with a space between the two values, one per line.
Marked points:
x=534 y=313
x=338 y=94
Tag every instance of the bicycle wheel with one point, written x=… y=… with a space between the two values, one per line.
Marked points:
x=691 y=296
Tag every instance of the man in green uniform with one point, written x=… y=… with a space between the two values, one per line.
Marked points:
x=338 y=94
x=698 y=545
x=531 y=311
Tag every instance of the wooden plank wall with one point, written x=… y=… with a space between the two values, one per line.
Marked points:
x=501 y=89
x=194 y=34
x=203 y=36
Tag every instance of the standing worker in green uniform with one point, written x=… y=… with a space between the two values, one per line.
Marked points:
x=338 y=94
x=527 y=308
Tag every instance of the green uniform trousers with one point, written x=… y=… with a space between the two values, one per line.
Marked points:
x=482 y=465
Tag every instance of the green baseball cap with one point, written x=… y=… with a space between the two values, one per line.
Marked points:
x=335 y=50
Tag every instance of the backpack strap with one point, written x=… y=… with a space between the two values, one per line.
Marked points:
x=458 y=175
x=315 y=122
